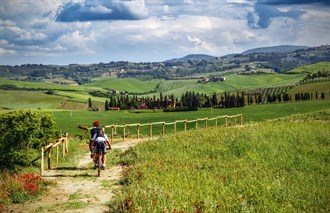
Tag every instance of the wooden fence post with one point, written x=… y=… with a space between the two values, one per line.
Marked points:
x=138 y=130
x=205 y=123
x=49 y=156
x=66 y=143
x=163 y=132
x=150 y=130
x=63 y=148
x=42 y=162
x=185 y=125
x=225 y=120
x=216 y=121
x=112 y=132
x=196 y=124
x=57 y=154
x=235 y=121
x=241 y=119
x=124 y=132
x=175 y=127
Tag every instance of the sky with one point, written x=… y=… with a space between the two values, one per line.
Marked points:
x=93 y=31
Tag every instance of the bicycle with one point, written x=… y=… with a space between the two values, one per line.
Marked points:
x=99 y=161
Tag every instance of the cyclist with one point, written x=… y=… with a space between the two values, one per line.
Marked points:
x=96 y=127
x=101 y=142
x=94 y=130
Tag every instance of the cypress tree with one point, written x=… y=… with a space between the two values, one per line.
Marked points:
x=106 y=105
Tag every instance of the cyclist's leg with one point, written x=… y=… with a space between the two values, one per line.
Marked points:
x=104 y=151
x=96 y=155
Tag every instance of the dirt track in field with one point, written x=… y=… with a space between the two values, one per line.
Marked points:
x=78 y=189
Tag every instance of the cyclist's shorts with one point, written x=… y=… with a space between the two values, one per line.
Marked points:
x=100 y=147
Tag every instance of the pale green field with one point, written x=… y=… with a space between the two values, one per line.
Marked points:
x=29 y=100
x=67 y=120
x=233 y=82
x=312 y=88
x=321 y=66
x=40 y=85
x=124 y=84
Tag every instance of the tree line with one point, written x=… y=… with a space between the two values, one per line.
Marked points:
x=190 y=100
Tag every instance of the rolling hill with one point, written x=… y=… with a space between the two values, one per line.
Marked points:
x=193 y=57
x=275 y=49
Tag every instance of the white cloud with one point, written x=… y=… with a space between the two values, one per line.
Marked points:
x=6 y=52
x=171 y=29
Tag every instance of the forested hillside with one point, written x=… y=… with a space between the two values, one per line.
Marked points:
x=191 y=65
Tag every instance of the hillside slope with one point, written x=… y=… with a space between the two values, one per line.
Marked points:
x=312 y=68
x=271 y=166
x=275 y=49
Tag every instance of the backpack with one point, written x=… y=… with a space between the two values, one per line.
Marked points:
x=95 y=130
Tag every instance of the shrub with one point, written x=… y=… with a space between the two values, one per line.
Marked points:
x=22 y=135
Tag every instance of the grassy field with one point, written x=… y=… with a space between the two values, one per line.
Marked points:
x=124 y=84
x=279 y=166
x=178 y=87
x=312 y=88
x=154 y=87
x=67 y=120
x=40 y=85
x=321 y=66
x=29 y=100
x=233 y=82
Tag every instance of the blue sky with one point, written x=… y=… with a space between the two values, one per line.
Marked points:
x=93 y=31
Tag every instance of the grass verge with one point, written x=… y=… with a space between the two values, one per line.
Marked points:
x=271 y=166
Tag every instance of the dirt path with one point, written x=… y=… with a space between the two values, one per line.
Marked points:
x=78 y=189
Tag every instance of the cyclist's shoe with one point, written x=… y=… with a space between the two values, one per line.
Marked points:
x=103 y=167
x=96 y=165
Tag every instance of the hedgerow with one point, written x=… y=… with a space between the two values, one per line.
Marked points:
x=22 y=135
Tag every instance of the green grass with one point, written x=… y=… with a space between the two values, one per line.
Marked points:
x=280 y=166
x=67 y=121
x=312 y=88
x=125 y=84
x=148 y=88
x=312 y=68
x=70 y=205
x=29 y=100
x=39 y=85
x=178 y=87
x=233 y=82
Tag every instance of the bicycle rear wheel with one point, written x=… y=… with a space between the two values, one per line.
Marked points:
x=99 y=165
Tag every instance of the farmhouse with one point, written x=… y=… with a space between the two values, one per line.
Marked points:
x=142 y=106
x=218 y=78
x=212 y=79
